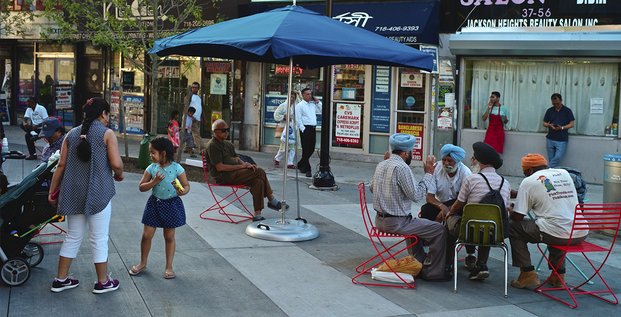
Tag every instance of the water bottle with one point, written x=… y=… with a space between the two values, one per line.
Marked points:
x=5 y=146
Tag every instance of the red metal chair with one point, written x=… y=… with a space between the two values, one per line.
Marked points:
x=384 y=250
x=591 y=217
x=236 y=193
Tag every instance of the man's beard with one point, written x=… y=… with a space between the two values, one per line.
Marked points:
x=408 y=160
x=475 y=168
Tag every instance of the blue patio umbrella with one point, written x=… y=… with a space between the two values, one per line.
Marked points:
x=309 y=38
x=295 y=36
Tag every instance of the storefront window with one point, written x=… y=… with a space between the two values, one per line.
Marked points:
x=277 y=85
x=26 y=78
x=348 y=107
x=411 y=107
x=589 y=88
x=174 y=76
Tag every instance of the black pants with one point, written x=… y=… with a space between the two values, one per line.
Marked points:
x=30 y=139
x=308 y=139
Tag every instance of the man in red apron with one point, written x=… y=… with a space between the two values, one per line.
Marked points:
x=495 y=134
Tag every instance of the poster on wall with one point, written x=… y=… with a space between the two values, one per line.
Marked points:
x=380 y=100
x=217 y=84
x=271 y=103
x=134 y=113
x=63 y=96
x=115 y=105
x=348 y=123
x=414 y=80
x=417 y=131
x=445 y=118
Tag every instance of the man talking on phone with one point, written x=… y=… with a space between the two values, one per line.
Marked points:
x=558 y=119
x=306 y=120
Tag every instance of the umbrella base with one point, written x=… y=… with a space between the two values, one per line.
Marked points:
x=288 y=231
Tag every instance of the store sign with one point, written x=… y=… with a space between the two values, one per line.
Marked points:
x=63 y=97
x=283 y=71
x=348 y=123
x=271 y=103
x=528 y=13
x=417 y=131
x=217 y=67
x=411 y=79
x=380 y=100
x=418 y=24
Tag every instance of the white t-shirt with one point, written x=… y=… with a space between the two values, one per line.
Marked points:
x=198 y=105
x=445 y=187
x=37 y=115
x=551 y=196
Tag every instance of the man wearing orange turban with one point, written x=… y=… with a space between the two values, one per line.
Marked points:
x=543 y=193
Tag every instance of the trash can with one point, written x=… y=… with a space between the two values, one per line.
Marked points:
x=612 y=178
x=144 y=158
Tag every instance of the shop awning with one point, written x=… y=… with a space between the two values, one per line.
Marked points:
x=537 y=42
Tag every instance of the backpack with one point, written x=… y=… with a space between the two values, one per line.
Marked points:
x=579 y=183
x=493 y=197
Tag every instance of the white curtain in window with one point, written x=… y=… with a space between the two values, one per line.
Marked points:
x=526 y=87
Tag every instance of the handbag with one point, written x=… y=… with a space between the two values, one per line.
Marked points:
x=278 y=131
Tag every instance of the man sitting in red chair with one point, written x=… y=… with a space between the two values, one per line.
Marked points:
x=549 y=194
x=394 y=188
x=228 y=168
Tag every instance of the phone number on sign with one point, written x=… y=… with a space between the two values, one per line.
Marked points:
x=397 y=28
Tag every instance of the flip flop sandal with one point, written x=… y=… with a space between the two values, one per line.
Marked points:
x=169 y=275
x=135 y=271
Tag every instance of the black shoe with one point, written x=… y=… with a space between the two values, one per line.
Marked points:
x=276 y=206
x=479 y=273
x=258 y=218
x=309 y=174
x=470 y=262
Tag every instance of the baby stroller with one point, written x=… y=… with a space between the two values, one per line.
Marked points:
x=24 y=210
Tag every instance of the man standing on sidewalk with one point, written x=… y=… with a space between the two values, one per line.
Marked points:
x=306 y=118
x=197 y=103
x=558 y=119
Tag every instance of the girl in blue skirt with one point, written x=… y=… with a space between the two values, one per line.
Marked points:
x=164 y=208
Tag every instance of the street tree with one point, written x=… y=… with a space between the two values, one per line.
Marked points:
x=129 y=27
x=14 y=17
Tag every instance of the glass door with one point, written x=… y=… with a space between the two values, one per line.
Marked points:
x=411 y=105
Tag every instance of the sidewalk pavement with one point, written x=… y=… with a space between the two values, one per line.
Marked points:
x=223 y=272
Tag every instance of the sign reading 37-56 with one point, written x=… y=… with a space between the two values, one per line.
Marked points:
x=528 y=13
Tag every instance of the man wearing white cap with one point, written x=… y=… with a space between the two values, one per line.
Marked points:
x=394 y=188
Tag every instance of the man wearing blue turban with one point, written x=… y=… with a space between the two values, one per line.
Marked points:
x=442 y=191
x=394 y=188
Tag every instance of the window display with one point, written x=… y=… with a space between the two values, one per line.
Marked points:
x=349 y=82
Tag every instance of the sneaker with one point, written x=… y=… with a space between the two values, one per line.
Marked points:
x=470 y=262
x=479 y=273
x=60 y=285
x=257 y=218
x=109 y=286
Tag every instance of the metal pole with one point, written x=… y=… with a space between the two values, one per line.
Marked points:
x=286 y=130
x=324 y=178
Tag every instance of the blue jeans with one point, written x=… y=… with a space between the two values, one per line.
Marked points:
x=556 y=151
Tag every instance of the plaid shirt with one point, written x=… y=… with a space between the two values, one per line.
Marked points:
x=395 y=187
x=51 y=148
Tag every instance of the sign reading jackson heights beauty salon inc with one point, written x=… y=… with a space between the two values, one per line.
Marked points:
x=528 y=13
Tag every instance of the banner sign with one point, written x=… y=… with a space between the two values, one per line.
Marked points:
x=63 y=97
x=348 y=123
x=417 y=131
x=134 y=113
x=115 y=105
x=380 y=100
x=528 y=13
x=419 y=25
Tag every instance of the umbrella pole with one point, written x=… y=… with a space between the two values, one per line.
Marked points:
x=284 y=166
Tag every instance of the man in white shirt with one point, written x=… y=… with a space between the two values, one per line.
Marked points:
x=33 y=119
x=306 y=120
x=197 y=103
x=550 y=195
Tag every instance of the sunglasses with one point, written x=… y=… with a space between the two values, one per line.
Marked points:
x=227 y=130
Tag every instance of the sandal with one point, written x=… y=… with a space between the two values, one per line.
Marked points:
x=169 y=275
x=134 y=270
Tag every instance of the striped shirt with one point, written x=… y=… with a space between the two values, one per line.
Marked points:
x=474 y=187
x=395 y=187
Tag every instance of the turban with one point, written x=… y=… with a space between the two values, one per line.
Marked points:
x=486 y=154
x=458 y=154
x=402 y=141
x=533 y=160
